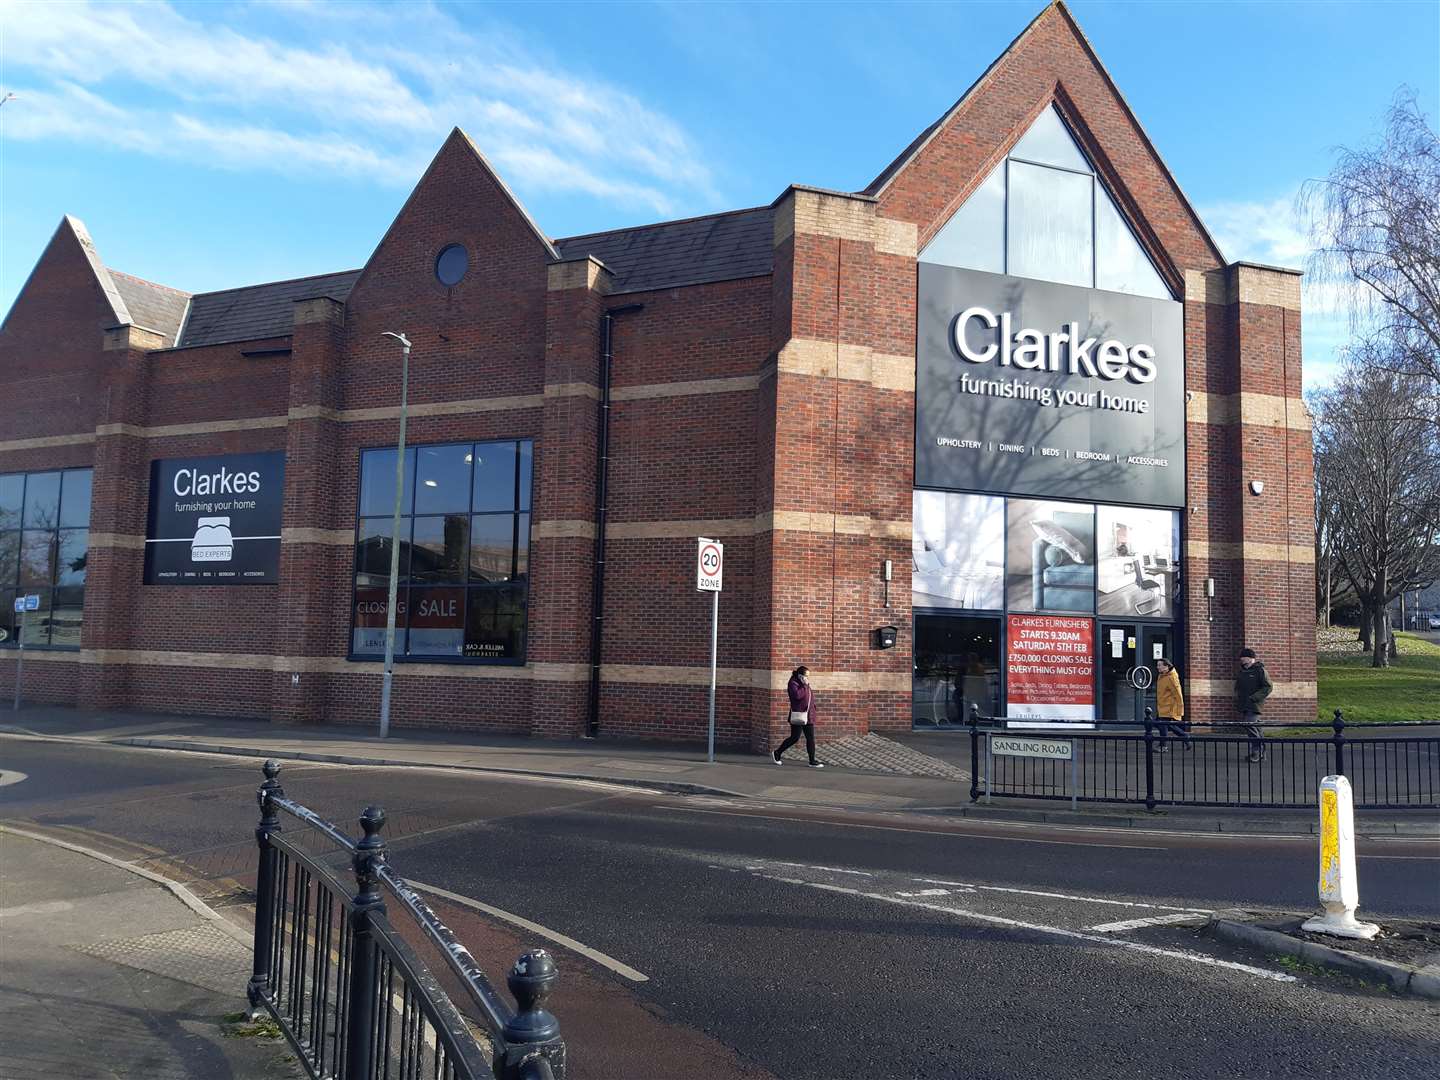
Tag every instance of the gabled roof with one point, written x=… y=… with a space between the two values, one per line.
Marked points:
x=257 y=311
x=694 y=251
x=891 y=171
x=155 y=307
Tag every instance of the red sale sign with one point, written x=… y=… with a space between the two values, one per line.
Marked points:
x=1050 y=667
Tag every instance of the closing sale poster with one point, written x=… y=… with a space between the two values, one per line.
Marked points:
x=1050 y=667
x=215 y=520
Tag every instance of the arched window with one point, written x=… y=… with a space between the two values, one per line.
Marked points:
x=1043 y=213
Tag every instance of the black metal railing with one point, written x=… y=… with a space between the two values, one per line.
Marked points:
x=353 y=998
x=1148 y=763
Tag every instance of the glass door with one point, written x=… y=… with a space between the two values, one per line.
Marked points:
x=1119 y=653
x=1156 y=643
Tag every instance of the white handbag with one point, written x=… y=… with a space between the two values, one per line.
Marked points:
x=799 y=719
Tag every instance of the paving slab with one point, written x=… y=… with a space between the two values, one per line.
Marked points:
x=106 y=974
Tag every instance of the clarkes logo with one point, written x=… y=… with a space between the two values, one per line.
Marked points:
x=1061 y=350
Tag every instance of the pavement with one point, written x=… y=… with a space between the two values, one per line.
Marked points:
x=804 y=942
x=107 y=974
x=924 y=772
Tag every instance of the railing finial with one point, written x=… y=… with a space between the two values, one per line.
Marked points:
x=532 y=980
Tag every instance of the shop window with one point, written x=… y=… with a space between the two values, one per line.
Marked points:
x=44 y=549
x=1044 y=213
x=957 y=551
x=1050 y=556
x=464 y=552
x=957 y=665
x=1137 y=567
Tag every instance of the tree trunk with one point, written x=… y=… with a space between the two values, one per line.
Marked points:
x=1380 y=653
x=1367 y=622
x=1329 y=583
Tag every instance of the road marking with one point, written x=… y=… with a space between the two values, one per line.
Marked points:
x=1062 y=896
x=827 y=869
x=535 y=928
x=925 y=892
x=897 y=828
x=1057 y=931
x=1156 y=920
x=10 y=776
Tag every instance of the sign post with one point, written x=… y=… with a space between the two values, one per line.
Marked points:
x=709 y=571
x=22 y=605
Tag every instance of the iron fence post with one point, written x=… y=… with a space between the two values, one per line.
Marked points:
x=1339 y=725
x=269 y=824
x=364 y=969
x=533 y=1033
x=1149 y=758
x=974 y=752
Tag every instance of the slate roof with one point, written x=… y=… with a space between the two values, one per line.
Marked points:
x=155 y=307
x=718 y=247
x=257 y=311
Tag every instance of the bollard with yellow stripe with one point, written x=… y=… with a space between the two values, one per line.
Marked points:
x=1339 y=885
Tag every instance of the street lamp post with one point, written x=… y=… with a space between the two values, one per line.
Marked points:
x=395 y=537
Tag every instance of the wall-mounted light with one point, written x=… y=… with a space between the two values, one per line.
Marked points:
x=1257 y=486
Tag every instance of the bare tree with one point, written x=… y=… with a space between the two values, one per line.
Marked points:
x=1375 y=222
x=1379 y=469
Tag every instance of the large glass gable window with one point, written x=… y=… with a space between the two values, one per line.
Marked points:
x=464 y=552
x=1043 y=213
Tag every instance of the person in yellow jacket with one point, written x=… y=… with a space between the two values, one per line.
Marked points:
x=1170 y=706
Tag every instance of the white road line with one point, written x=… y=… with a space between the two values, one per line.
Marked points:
x=10 y=776
x=535 y=928
x=925 y=892
x=896 y=828
x=1135 y=924
x=827 y=869
x=1117 y=943
x=1062 y=896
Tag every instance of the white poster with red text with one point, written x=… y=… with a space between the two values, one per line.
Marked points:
x=1050 y=667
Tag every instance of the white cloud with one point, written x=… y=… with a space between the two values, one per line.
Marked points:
x=373 y=102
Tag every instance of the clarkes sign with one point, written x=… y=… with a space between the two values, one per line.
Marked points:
x=1031 y=388
x=215 y=520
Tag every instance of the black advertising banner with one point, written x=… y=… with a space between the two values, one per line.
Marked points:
x=215 y=520
x=1031 y=388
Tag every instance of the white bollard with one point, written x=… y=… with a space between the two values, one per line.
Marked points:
x=1339 y=885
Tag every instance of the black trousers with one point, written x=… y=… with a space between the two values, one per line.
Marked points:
x=1252 y=731
x=795 y=730
x=1168 y=725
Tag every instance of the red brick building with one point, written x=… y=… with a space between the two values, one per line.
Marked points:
x=762 y=375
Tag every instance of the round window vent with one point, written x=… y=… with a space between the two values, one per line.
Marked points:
x=451 y=264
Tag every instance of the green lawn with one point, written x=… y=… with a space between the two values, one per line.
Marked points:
x=1407 y=690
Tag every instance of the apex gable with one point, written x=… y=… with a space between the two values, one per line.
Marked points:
x=1049 y=67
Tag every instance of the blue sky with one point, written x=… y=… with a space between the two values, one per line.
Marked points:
x=220 y=144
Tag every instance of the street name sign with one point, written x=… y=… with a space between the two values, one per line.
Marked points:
x=1053 y=749
x=709 y=565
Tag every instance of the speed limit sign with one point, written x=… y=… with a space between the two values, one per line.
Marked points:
x=709 y=565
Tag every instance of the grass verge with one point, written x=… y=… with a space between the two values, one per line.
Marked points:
x=1407 y=690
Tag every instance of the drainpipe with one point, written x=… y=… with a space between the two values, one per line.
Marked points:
x=602 y=488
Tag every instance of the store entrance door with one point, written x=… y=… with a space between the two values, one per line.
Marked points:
x=1128 y=652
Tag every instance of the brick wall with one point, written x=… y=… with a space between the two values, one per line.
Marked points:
x=774 y=413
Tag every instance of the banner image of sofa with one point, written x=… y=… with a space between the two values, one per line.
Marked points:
x=1050 y=556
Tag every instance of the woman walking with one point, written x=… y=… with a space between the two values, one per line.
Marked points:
x=1170 y=706
x=802 y=717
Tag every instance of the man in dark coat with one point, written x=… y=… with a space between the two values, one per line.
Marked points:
x=1252 y=687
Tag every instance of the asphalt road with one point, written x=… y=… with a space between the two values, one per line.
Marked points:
x=786 y=943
